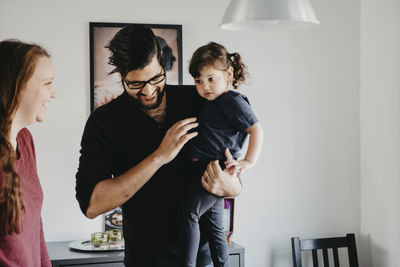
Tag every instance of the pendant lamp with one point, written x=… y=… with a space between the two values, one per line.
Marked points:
x=268 y=14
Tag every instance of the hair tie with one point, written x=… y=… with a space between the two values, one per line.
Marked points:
x=231 y=57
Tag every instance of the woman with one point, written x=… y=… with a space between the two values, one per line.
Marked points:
x=26 y=77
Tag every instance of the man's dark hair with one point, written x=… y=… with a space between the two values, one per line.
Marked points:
x=133 y=48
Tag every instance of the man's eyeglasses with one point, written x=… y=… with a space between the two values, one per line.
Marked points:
x=136 y=85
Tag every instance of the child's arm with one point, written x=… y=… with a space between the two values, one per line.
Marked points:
x=253 y=151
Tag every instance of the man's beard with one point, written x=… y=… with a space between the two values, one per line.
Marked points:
x=139 y=103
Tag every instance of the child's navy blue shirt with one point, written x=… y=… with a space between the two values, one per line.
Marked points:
x=222 y=124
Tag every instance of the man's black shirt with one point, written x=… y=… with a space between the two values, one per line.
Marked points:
x=117 y=136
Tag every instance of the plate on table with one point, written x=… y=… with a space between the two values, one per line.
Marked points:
x=86 y=245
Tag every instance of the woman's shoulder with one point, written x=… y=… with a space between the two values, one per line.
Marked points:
x=24 y=136
x=24 y=133
x=25 y=142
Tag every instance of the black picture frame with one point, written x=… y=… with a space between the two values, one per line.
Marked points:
x=105 y=87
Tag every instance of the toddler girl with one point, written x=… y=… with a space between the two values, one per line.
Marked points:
x=224 y=123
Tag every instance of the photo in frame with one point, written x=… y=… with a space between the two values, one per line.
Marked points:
x=113 y=219
x=104 y=86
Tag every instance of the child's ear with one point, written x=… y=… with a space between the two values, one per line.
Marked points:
x=229 y=73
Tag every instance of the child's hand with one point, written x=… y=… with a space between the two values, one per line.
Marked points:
x=241 y=165
x=230 y=161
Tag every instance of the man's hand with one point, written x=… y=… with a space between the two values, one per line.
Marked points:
x=224 y=183
x=175 y=138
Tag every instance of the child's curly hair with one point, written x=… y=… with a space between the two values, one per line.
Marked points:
x=216 y=55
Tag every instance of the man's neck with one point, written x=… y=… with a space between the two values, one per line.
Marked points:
x=158 y=113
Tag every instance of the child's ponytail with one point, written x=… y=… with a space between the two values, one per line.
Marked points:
x=239 y=69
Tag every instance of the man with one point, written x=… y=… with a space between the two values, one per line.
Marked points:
x=137 y=139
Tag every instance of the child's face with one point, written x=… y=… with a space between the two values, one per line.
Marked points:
x=213 y=82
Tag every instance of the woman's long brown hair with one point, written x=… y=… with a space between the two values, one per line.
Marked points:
x=17 y=64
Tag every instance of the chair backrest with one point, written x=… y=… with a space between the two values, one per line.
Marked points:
x=324 y=244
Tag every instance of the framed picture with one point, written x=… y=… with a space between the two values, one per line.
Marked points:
x=113 y=219
x=105 y=87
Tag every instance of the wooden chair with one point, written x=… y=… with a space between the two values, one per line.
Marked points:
x=325 y=243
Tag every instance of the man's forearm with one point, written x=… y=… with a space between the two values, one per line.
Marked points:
x=111 y=193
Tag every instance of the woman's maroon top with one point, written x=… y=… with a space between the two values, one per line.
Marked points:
x=27 y=248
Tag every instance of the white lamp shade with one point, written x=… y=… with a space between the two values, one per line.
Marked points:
x=264 y=14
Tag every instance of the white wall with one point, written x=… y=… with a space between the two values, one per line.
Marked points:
x=380 y=132
x=304 y=88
